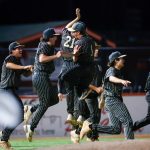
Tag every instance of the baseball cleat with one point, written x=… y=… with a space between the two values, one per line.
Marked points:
x=71 y=120
x=29 y=132
x=85 y=129
x=5 y=145
x=80 y=120
x=75 y=138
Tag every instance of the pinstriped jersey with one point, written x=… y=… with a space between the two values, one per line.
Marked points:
x=67 y=42
x=9 y=77
x=86 y=51
x=112 y=89
x=47 y=67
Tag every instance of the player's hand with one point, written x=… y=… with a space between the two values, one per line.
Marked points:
x=76 y=49
x=126 y=82
x=99 y=90
x=29 y=68
x=59 y=54
x=78 y=13
x=76 y=53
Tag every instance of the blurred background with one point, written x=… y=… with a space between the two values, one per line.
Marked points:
x=115 y=25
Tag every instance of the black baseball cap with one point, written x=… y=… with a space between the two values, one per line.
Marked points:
x=14 y=45
x=78 y=26
x=115 y=55
x=48 y=33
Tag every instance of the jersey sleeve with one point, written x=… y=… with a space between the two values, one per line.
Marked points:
x=44 y=49
x=110 y=72
x=10 y=59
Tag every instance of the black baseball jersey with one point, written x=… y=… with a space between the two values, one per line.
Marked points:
x=67 y=42
x=47 y=67
x=86 y=51
x=9 y=77
x=112 y=89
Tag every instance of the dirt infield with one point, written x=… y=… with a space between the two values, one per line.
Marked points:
x=113 y=145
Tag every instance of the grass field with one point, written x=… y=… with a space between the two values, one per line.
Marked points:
x=23 y=144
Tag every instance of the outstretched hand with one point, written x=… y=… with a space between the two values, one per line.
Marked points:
x=126 y=82
x=28 y=68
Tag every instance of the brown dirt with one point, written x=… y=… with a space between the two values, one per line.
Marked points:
x=113 y=145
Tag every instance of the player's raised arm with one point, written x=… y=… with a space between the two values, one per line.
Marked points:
x=78 y=16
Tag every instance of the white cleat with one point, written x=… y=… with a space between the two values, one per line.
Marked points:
x=75 y=138
x=29 y=132
x=85 y=129
x=69 y=119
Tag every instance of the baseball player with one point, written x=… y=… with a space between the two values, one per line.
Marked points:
x=43 y=67
x=82 y=73
x=67 y=44
x=11 y=70
x=117 y=110
x=145 y=121
x=83 y=58
x=88 y=106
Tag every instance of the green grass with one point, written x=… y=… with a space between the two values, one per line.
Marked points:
x=23 y=144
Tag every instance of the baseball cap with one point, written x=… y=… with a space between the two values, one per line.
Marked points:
x=48 y=33
x=115 y=55
x=14 y=45
x=78 y=26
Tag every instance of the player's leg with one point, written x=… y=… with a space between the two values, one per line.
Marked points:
x=145 y=121
x=47 y=97
x=113 y=128
x=121 y=112
x=5 y=134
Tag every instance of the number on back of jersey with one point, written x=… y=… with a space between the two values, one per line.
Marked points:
x=69 y=42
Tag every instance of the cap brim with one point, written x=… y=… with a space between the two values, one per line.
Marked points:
x=71 y=30
x=20 y=46
x=122 y=56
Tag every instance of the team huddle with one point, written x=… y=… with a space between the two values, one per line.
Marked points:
x=80 y=81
